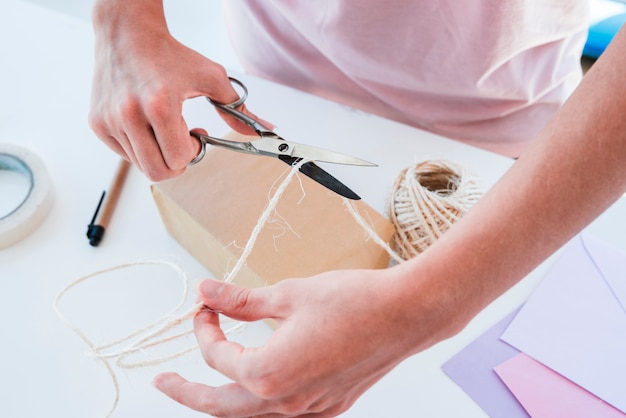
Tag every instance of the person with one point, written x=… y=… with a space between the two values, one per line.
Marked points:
x=568 y=174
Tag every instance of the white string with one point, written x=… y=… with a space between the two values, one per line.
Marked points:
x=170 y=320
x=271 y=206
x=96 y=351
x=370 y=231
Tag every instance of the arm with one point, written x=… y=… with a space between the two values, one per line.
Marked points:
x=574 y=171
x=142 y=77
x=341 y=332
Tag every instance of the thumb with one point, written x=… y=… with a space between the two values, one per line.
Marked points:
x=224 y=91
x=236 y=302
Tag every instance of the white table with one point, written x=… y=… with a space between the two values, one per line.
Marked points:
x=45 y=86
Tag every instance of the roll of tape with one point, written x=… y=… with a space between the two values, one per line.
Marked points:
x=31 y=212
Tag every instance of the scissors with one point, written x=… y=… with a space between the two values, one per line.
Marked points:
x=271 y=145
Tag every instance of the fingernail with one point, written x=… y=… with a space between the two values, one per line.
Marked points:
x=209 y=289
x=159 y=383
x=197 y=284
x=203 y=288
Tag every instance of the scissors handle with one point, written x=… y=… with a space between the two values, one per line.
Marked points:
x=231 y=109
x=241 y=100
x=232 y=145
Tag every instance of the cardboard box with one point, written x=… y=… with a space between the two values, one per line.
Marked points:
x=213 y=207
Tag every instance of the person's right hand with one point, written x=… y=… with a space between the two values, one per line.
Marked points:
x=142 y=77
x=337 y=334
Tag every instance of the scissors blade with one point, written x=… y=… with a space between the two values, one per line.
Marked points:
x=322 y=177
x=276 y=146
x=309 y=169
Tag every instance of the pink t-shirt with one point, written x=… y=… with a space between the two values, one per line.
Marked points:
x=487 y=72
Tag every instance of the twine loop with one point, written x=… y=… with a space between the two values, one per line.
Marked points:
x=426 y=200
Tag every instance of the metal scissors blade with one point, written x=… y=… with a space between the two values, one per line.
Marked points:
x=276 y=146
x=309 y=169
x=270 y=144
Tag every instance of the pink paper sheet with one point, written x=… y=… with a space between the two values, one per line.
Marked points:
x=546 y=394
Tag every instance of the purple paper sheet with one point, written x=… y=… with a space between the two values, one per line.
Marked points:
x=472 y=369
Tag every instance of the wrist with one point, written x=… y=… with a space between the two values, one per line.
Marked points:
x=114 y=18
x=438 y=298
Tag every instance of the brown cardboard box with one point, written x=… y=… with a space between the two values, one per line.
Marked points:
x=212 y=208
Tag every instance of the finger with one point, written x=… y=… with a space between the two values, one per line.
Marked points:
x=240 y=364
x=239 y=302
x=244 y=109
x=172 y=134
x=219 y=353
x=120 y=147
x=231 y=400
x=240 y=126
x=149 y=157
x=247 y=366
x=198 y=144
x=116 y=147
x=132 y=131
x=221 y=90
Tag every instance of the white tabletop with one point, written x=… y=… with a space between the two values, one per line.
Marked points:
x=45 y=83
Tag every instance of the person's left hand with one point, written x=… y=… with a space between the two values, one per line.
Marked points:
x=338 y=333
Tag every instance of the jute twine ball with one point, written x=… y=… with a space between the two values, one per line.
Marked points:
x=427 y=199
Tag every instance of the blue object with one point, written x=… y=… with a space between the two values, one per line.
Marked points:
x=601 y=34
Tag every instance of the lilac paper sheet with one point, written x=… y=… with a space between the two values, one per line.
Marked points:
x=472 y=369
x=575 y=321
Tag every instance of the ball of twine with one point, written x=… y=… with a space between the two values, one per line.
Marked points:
x=427 y=199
